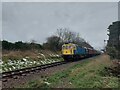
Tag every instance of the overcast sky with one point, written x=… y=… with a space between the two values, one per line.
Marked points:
x=25 y=21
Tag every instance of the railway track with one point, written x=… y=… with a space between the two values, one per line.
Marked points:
x=19 y=72
x=24 y=71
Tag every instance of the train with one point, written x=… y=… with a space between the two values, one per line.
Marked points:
x=71 y=51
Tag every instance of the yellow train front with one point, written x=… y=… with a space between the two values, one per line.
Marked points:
x=68 y=51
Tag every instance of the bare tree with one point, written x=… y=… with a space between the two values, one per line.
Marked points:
x=62 y=36
x=66 y=35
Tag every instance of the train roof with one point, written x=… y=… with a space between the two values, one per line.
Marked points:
x=77 y=46
x=68 y=44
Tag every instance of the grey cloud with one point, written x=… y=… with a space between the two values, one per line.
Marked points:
x=26 y=21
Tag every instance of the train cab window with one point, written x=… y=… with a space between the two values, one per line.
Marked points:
x=67 y=47
x=70 y=47
x=74 y=47
x=63 y=47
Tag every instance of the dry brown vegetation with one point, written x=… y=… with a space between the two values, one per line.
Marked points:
x=33 y=54
x=114 y=69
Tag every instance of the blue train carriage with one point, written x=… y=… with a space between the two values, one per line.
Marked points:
x=80 y=52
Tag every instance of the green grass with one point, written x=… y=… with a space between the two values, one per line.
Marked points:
x=86 y=74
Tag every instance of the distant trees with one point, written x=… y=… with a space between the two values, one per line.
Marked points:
x=19 y=45
x=7 y=45
x=52 y=43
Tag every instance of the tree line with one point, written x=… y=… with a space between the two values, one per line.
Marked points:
x=113 y=45
x=54 y=42
x=20 y=45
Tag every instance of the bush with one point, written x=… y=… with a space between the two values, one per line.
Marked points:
x=113 y=52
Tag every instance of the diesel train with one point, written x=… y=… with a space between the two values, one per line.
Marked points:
x=72 y=51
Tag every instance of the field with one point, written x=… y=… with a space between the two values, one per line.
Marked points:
x=89 y=73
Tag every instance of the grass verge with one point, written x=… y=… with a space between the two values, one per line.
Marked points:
x=86 y=74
